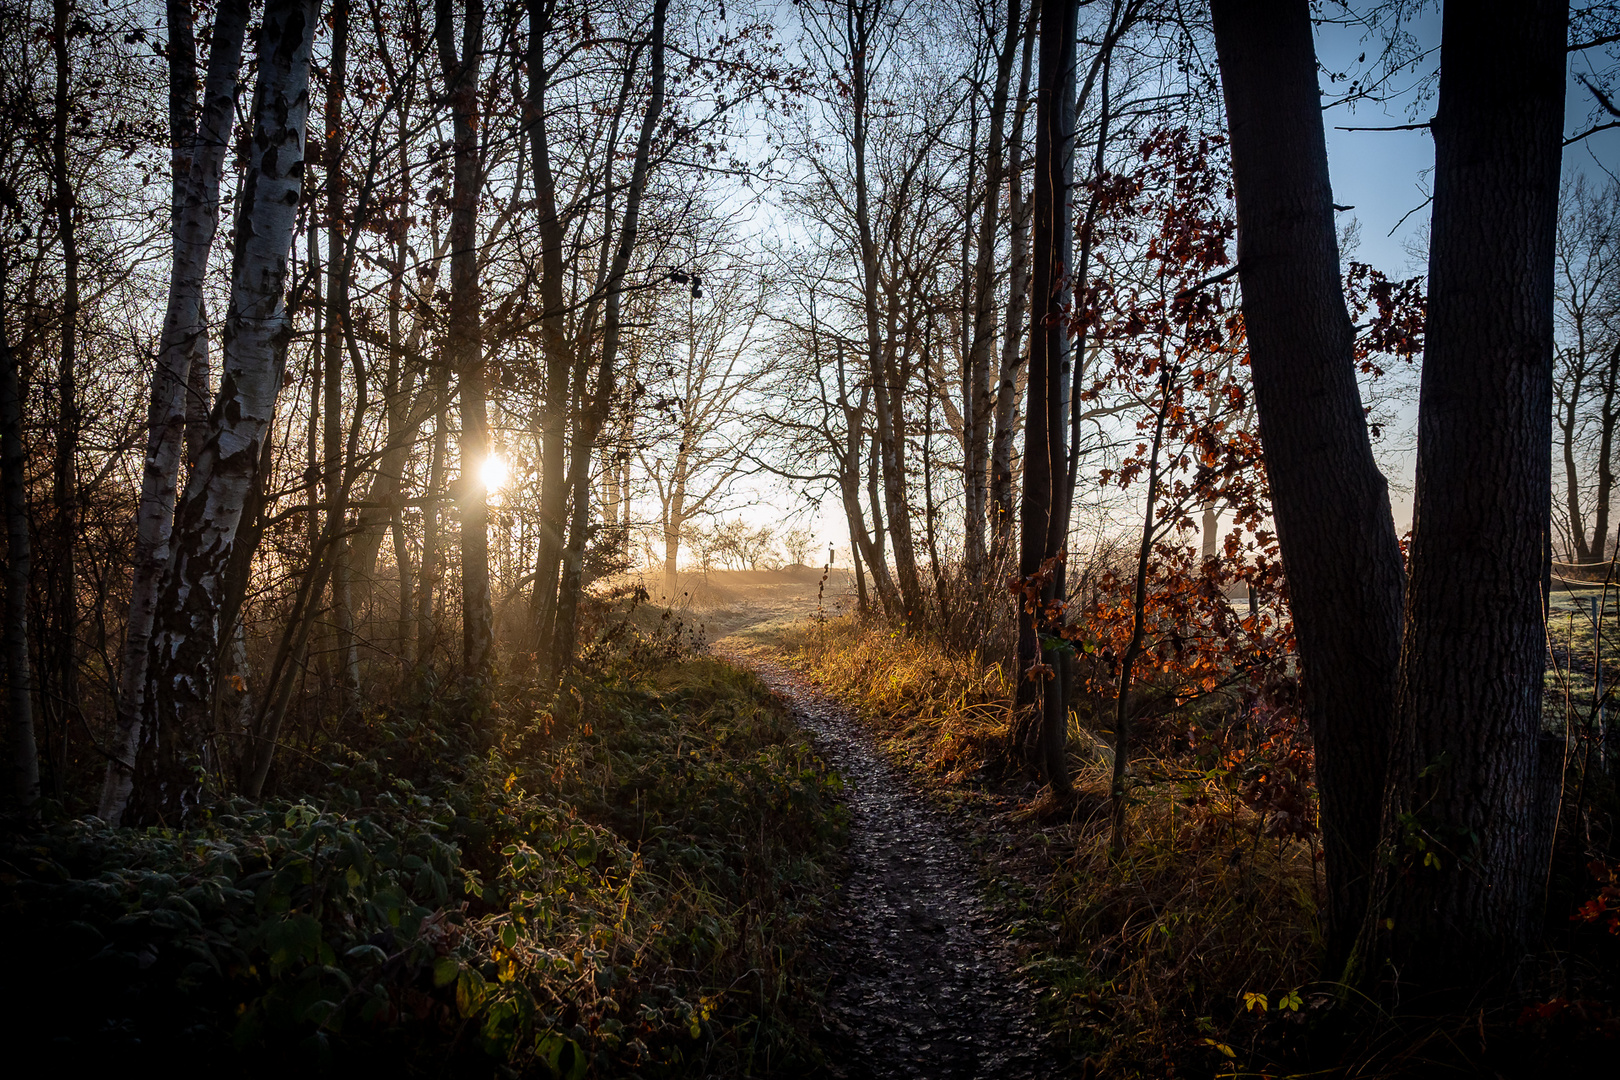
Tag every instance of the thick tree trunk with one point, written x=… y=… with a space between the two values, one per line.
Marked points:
x=184 y=656
x=1467 y=858
x=890 y=434
x=877 y=558
x=23 y=783
x=465 y=346
x=200 y=139
x=888 y=387
x=864 y=546
x=1330 y=502
x=675 y=518
x=672 y=552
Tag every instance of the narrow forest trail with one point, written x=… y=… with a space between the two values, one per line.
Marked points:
x=919 y=984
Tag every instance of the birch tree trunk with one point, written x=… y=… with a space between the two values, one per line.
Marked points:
x=200 y=139
x=183 y=660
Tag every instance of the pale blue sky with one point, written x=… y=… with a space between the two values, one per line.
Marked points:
x=1384 y=175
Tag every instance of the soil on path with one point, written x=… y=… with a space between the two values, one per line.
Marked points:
x=920 y=986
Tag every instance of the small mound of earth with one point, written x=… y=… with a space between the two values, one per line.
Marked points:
x=920 y=984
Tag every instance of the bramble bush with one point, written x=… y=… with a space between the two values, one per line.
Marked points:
x=617 y=882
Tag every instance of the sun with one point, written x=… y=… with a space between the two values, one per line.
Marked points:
x=493 y=473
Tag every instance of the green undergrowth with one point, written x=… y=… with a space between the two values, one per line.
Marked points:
x=615 y=880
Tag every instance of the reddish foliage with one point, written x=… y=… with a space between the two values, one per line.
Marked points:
x=1604 y=908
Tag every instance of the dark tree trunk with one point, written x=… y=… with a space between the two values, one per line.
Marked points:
x=62 y=579
x=337 y=303
x=465 y=345
x=1012 y=334
x=978 y=401
x=1133 y=649
x=1330 y=502
x=876 y=558
x=594 y=409
x=1042 y=514
x=23 y=751
x=432 y=573
x=553 y=337
x=1608 y=417
x=1467 y=848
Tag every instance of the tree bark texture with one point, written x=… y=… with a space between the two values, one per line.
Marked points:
x=184 y=656
x=1466 y=858
x=1330 y=502
x=1042 y=513
x=200 y=137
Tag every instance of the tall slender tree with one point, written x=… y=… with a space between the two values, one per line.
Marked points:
x=333 y=143
x=464 y=345
x=594 y=405
x=23 y=751
x=61 y=690
x=1043 y=515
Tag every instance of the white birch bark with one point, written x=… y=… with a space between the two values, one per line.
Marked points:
x=200 y=143
x=183 y=661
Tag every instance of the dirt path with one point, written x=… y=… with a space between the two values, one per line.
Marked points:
x=920 y=986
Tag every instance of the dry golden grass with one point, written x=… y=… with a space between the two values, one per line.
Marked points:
x=1155 y=964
